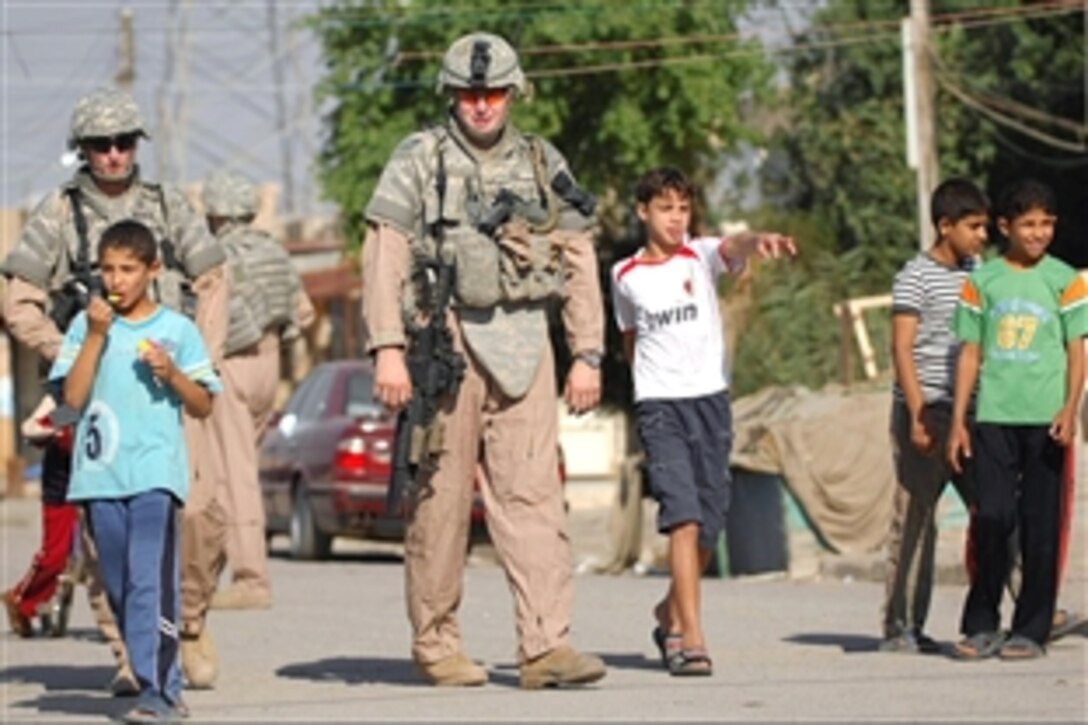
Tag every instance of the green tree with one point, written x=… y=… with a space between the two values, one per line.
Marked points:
x=837 y=166
x=619 y=88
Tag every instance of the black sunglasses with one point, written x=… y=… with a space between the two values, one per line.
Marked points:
x=103 y=144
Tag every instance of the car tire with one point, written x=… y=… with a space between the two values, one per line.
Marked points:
x=308 y=543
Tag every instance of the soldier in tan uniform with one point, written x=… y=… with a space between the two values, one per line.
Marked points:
x=267 y=306
x=504 y=209
x=52 y=268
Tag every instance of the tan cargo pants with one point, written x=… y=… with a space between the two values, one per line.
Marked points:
x=515 y=442
x=203 y=528
x=240 y=412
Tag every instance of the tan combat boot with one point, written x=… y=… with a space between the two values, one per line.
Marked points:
x=238 y=596
x=561 y=666
x=453 y=671
x=199 y=659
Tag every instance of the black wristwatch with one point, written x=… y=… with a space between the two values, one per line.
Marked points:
x=591 y=358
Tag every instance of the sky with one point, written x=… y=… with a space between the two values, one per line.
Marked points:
x=216 y=82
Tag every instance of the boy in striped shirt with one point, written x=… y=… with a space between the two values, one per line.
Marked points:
x=1021 y=318
x=924 y=353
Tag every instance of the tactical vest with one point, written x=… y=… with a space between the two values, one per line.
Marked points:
x=497 y=215
x=262 y=285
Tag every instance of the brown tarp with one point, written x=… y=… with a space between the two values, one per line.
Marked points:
x=832 y=449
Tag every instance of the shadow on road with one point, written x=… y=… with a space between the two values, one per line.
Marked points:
x=82 y=705
x=338 y=557
x=59 y=678
x=632 y=661
x=848 y=643
x=354 y=671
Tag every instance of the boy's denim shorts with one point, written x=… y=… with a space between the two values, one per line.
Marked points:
x=687 y=443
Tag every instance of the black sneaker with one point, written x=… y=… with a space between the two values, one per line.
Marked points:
x=926 y=644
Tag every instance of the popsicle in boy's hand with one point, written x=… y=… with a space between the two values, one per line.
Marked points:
x=157 y=358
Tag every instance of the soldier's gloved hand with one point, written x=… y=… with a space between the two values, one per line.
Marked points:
x=583 y=389
x=392 y=384
x=99 y=315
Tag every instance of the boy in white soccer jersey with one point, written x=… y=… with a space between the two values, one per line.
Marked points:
x=129 y=366
x=666 y=306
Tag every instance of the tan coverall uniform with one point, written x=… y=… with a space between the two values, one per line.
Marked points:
x=513 y=438
x=225 y=519
x=250 y=378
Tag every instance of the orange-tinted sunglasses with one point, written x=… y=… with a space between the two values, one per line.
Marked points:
x=472 y=96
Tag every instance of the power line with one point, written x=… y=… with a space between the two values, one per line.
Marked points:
x=1057 y=163
x=969 y=18
x=410 y=15
x=1009 y=105
x=1000 y=118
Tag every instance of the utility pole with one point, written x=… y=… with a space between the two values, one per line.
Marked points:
x=172 y=104
x=918 y=102
x=126 y=52
x=286 y=152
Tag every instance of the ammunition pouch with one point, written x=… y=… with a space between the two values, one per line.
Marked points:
x=530 y=265
x=508 y=256
x=476 y=259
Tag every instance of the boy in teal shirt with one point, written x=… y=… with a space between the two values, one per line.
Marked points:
x=129 y=366
x=1021 y=318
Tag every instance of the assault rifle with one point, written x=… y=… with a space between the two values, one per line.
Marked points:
x=75 y=294
x=434 y=367
x=73 y=298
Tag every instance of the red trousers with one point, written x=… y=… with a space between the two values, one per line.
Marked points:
x=40 y=582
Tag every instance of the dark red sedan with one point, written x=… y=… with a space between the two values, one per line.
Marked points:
x=324 y=463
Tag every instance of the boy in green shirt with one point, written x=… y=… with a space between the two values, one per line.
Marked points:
x=1021 y=318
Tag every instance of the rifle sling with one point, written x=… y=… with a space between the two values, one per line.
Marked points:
x=83 y=254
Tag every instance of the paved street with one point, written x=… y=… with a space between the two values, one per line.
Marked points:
x=335 y=647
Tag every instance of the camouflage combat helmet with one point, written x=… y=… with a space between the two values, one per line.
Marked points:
x=229 y=195
x=481 y=60
x=105 y=112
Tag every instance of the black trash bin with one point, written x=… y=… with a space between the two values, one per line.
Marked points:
x=756 y=538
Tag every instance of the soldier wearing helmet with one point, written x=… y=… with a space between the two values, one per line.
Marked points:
x=52 y=269
x=500 y=207
x=267 y=307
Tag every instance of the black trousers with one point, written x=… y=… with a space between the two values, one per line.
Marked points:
x=1018 y=473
